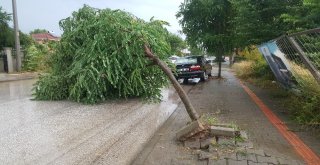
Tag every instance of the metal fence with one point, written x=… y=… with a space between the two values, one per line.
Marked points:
x=295 y=59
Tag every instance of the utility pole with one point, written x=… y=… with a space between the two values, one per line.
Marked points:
x=16 y=34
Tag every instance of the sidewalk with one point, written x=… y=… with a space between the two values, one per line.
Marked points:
x=4 y=77
x=229 y=103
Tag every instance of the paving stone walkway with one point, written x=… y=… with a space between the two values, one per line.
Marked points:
x=228 y=103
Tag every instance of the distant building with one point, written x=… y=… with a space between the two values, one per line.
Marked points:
x=44 y=37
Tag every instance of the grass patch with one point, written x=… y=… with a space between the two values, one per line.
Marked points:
x=239 y=139
x=209 y=119
x=234 y=126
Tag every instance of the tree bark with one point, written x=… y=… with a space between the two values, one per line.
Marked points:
x=219 y=71
x=182 y=94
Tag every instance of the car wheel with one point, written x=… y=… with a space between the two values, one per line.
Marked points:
x=185 y=80
x=204 y=77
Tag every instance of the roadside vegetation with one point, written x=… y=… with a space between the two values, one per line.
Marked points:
x=303 y=103
x=7 y=33
x=37 y=56
x=253 y=67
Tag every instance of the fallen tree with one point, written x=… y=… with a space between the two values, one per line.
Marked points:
x=107 y=54
x=100 y=56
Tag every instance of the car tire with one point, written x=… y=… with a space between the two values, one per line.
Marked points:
x=204 y=77
x=185 y=80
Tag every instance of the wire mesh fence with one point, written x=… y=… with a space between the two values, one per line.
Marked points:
x=295 y=61
x=302 y=53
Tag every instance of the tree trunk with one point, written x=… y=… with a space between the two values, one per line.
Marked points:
x=219 y=71
x=232 y=56
x=182 y=94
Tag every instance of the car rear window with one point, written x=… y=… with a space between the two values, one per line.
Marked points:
x=186 y=61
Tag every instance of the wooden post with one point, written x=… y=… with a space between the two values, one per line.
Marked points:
x=16 y=34
x=315 y=73
x=8 y=54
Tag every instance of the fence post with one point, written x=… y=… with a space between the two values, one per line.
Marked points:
x=8 y=53
x=315 y=73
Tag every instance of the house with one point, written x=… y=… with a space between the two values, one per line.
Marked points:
x=44 y=37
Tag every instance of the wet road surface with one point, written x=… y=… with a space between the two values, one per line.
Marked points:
x=64 y=132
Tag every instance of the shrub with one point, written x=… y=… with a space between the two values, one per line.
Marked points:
x=254 y=65
x=306 y=105
x=36 y=57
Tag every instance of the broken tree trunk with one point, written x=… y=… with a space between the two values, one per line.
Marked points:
x=182 y=94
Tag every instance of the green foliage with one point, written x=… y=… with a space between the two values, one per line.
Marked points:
x=4 y=17
x=208 y=119
x=253 y=66
x=309 y=113
x=36 y=56
x=303 y=108
x=36 y=31
x=101 y=56
x=258 y=21
x=177 y=44
x=196 y=51
x=244 y=22
x=255 y=21
x=5 y=32
x=206 y=23
x=302 y=16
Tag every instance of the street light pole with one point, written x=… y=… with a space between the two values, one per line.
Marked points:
x=16 y=34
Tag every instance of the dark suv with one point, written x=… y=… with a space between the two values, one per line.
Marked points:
x=192 y=67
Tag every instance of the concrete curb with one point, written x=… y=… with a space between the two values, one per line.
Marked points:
x=4 y=77
x=139 y=134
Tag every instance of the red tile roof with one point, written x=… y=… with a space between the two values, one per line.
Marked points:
x=44 y=37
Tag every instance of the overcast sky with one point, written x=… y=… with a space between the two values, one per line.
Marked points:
x=45 y=14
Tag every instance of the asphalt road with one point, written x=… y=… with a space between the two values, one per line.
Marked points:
x=64 y=132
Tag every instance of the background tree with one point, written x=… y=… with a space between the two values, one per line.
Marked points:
x=7 y=33
x=6 y=38
x=258 y=21
x=36 y=31
x=302 y=16
x=207 y=23
x=177 y=44
x=196 y=50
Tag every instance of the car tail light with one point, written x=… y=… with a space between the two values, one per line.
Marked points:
x=195 y=68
